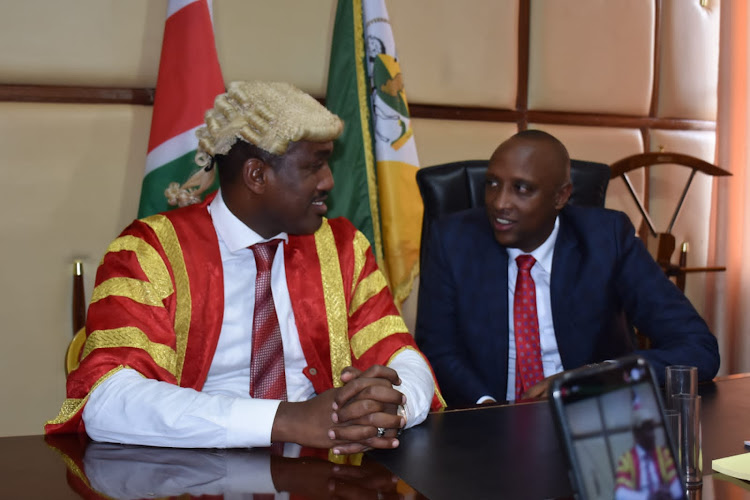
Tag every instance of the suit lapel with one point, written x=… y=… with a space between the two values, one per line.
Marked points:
x=566 y=264
x=494 y=284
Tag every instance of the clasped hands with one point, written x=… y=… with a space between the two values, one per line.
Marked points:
x=346 y=419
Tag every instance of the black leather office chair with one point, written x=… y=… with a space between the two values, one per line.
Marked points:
x=456 y=186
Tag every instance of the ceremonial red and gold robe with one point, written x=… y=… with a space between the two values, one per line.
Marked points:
x=159 y=299
x=628 y=473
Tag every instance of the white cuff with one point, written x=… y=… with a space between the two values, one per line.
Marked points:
x=250 y=421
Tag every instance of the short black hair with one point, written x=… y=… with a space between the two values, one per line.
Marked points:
x=541 y=135
x=229 y=166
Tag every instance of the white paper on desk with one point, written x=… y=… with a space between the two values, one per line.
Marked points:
x=736 y=466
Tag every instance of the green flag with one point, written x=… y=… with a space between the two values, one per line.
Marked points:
x=352 y=163
x=375 y=161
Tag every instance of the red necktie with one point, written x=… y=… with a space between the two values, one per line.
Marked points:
x=267 y=379
x=528 y=353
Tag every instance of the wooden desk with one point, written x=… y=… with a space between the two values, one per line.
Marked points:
x=488 y=452
x=513 y=451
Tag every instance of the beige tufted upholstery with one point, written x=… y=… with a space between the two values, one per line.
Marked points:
x=593 y=56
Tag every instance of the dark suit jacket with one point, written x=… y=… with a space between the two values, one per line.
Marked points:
x=603 y=281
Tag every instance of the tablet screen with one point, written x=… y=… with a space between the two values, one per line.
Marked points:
x=615 y=434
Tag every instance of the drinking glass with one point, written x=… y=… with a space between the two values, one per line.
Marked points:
x=690 y=442
x=680 y=379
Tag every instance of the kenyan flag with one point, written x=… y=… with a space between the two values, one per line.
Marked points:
x=189 y=80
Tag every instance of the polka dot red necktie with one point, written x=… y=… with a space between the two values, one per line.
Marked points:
x=528 y=352
x=267 y=379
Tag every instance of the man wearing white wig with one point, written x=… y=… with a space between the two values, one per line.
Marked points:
x=249 y=318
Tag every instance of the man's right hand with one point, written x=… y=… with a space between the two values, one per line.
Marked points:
x=307 y=423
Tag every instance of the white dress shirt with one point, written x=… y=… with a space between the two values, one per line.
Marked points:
x=132 y=472
x=128 y=408
x=540 y=273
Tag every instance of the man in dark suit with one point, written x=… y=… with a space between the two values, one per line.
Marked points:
x=590 y=282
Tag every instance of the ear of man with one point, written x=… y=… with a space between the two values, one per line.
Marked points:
x=255 y=175
x=563 y=195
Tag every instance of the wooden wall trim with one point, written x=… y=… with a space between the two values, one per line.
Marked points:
x=76 y=95
x=145 y=97
x=621 y=121
x=657 y=59
x=438 y=112
x=556 y=117
x=522 y=89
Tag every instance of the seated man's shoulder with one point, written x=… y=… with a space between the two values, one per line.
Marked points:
x=471 y=219
x=341 y=224
x=143 y=229
x=592 y=214
x=343 y=233
x=340 y=232
x=179 y=219
x=595 y=217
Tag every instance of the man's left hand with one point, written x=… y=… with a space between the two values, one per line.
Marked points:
x=541 y=389
x=366 y=402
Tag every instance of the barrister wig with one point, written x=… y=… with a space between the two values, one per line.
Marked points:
x=269 y=115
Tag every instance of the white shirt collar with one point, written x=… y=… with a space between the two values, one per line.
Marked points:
x=544 y=252
x=231 y=230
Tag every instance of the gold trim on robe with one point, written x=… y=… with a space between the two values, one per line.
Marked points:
x=168 y=238
x=335 y=301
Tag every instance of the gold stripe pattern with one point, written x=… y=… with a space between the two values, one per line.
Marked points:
x=74 y=469
x=368 y=288
x=375 y=332
x=361 y=244
x=71 y=406
x=150 y=261
x=364 y=117
x=136 y=290
x=130 y=336
x=335 y=303
x=168 y=238
x=353 y=459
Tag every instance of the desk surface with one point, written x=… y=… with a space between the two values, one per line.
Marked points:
x=487 y=452
x=513 y=451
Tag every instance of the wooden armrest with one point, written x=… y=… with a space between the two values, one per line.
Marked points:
x=672 y=270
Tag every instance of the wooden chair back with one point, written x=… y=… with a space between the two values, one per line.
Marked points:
x=662 y=244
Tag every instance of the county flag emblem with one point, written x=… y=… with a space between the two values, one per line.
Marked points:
x=375 y=161
x=391 y=110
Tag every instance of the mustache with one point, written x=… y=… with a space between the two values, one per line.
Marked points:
x=502 y=214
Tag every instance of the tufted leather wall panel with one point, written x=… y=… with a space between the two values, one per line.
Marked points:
x=442 y=141
x=81 y=42
x=591 y=56
x=689 y=65
x=462 y=53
